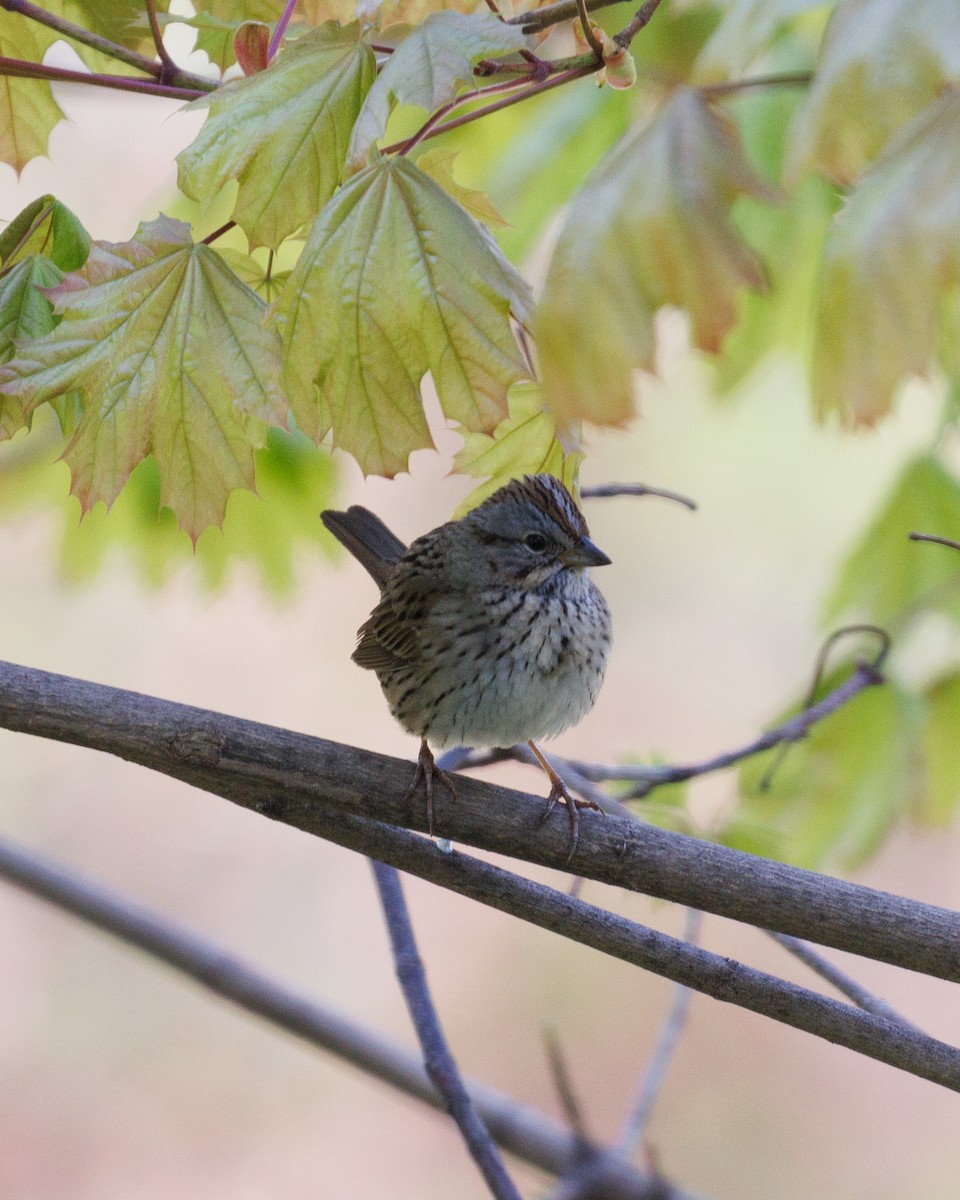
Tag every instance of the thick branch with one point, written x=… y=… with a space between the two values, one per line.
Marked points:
x=300 y=780
x=522 y=1131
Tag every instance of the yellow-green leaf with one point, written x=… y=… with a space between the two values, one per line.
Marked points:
x=890 y=257
x=650 y=227
x=168 y=350
x=45 y=227
x=881 y=63
x=282 y=133
x=24 y=313
x=524 y=443
x=429 y=68
x=28 y=110
x=887 y=575
x=396 y=280
x=746 y=30
x=941 y=742
x=438 y=164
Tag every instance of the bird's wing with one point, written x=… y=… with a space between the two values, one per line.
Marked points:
x=386 y=639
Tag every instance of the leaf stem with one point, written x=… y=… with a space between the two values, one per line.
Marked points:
x=19 y=69
x=212 y=237
x=167 y=65
x=429 y=127
x=277 y=36
x=592 y=40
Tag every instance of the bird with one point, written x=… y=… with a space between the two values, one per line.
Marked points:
x=489 y=630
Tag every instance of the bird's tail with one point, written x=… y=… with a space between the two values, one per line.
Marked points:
x=367 y=538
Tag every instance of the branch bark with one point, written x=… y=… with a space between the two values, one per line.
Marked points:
x=344 y=795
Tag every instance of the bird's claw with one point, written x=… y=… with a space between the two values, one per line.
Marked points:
x=558 y=792
x=427 y=771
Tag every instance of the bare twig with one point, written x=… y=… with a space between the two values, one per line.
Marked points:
x=733 y=87
x=182 y=79
x=591 y=38
x=844 y=983
x=932 y=537
x=647 y=778
x=19 y=68
x=521 y=1130
x=553 y=14
x=564 y=1087
x=635 y=489
x=437 y=1056
x=641 y=1110
x=632 y=28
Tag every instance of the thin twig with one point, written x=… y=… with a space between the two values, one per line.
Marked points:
x=592 y=40
x=437 y=1056
x=554 y=14
x=429 y=127
x=77 y=33
x=641 y=1110
x=522 y=1131
x=844 y=983
x=217 y=233
x=166 y=62
x=932 y=537
x=563 y=1085
x=562 y=77
x=635 y=489
x=19 y=68
x=276 y=37
x=632 y=28
x=732 y=87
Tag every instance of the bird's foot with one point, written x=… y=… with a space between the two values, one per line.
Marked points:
x=427 y=771
x=558 y=792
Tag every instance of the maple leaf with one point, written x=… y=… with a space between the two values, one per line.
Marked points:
x=167 y=349
x=429 y=67
x=524 y=443
x=881 y=63
x=396 y=280
x=28 y=111
x=889 y=259
x=650 y=227
x=282 y=133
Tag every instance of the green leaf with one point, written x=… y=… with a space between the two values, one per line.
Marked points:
x=429 y=68
x=651 y=227
x=838 y=793
x=524 y=443
x=438 y=163
x=881 y=63
x=746 y=30
x=28 y=111
x=168 y=349
x=887 y=575
x=24 y=313
x=396 y=280
x=262 y=278
x=45 y=227
x=282 y=133
x=941 y=797
x=892 y=254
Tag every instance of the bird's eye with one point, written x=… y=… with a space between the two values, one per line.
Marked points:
x=535 y=541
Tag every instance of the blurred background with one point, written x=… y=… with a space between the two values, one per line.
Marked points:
x=119 y=1079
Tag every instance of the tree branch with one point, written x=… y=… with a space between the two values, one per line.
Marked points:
x=19 y=68
x=522 y=1131
x=303 y=781
x=77 y=33
x=437 y=1056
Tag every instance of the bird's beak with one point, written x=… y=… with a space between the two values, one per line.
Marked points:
x=585 y=554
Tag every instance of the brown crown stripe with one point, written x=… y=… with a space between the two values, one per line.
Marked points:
x=549 y=494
